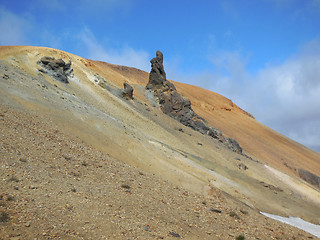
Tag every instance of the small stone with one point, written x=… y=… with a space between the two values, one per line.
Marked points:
x=22 y=159
x=127 y=91
x=215 y=210
x=174 y=234
x=242 y=166
x=27 y=224
x=68 y=206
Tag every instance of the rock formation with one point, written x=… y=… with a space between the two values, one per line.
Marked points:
x=157 y=75
x=56 y=68
x=127 y=91
x=310 y=177
x=179 y=107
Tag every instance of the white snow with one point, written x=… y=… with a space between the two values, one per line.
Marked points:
x=297 y=222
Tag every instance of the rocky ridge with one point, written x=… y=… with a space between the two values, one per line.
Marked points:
x=178 y=107
x=56 y=68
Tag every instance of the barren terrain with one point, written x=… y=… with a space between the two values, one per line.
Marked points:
x=78 y=161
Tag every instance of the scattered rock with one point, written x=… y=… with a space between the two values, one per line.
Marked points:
x=4 y=216
x=125 y=186
x=310 y=177
x=147 y=228
x=271 y=187
x=215 y=210
x=5 y=76
x=22 y=159
x=244 y=212
x=127 y=91
x=233 y=145
x=242 y=166
x=174 y=234
x=68 y=206
x=13 y=179
x=234 y=215
x=179 y=107
x=56 y=68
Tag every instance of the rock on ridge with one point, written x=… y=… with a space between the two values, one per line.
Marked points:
x=56 y=68
x=310 y=177
x=127 y=91
x=179 y=107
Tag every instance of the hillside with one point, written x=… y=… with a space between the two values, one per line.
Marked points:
x=79 y=161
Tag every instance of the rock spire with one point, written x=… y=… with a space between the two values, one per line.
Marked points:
x=178 y=107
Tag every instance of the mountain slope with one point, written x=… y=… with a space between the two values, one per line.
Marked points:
x=257 y=139
x=89 y=111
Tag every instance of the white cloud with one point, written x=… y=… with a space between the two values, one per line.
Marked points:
x=124 y=55
x=13 y=28
x=285 y=97
x=293 y=89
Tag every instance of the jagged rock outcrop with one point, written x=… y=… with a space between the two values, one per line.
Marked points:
x=56 y=68
x=179 y=107
x=157 y=75
x=127 y=91
x=310 y=177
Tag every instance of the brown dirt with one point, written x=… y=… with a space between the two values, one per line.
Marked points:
x=55 y=186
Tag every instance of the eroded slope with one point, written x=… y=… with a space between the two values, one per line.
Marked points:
x=90 y=108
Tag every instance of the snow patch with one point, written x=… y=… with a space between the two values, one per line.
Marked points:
x=297 y=222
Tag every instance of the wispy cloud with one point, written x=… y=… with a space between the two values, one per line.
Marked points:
x=124 y=55
x=13 y=28
x=292 y=95
x=285 y=97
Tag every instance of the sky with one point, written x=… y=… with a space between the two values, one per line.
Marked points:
x=262 y=54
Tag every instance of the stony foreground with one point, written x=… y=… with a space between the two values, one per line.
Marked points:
x=54 y=186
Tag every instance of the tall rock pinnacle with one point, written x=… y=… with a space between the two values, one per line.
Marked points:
x=178 y=107
x=157 y=75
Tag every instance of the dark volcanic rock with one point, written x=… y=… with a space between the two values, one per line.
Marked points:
x=127 y=91
x=233 y=145
x=56 y=68
x=310 y=177
x=157 y=75
x=179 y=107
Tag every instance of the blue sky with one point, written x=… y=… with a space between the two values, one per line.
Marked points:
x=262 y=54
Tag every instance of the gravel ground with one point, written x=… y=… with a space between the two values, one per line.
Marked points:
x=55 y=186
